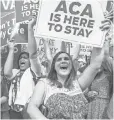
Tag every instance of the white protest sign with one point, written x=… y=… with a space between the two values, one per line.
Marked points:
x=85 y=50
x=76 y=21
x=7 y=23
x=53 y=45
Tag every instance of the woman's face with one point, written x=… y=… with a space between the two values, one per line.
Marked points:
x=24 y=62
x=63 y=65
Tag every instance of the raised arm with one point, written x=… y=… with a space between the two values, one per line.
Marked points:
x=47 y=51
x=36 y=101
x=8 y=67
x=48 y=55
x=32 y=47
x=108 y=61
x=76 y=51
x=63 y=46
x=100 y=55
x=90 y=72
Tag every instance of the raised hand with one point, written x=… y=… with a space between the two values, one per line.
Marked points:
x=15 y=30
x=108 y=27
x=106 y=24
x=11 y=44
x=109 y=34
x=32 y=21
x=109 y=14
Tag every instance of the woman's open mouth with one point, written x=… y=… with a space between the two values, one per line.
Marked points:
x=64 y=67
x=22 y=64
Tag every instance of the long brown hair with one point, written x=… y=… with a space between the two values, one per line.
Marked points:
x=52 y=76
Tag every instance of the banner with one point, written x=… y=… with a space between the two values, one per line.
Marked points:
x=85 y=50
x=77 y=21
x=22 y=34
x=7 y=26
x=25 y=9
x=7 y=6
x=56 y=46
x=7 y=23
x=53 y=45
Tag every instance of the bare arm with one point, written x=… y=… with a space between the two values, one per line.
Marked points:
x=32 y=48
x=8 y=67
x=63 y=46
x=108 y=61
x=75 y=56
x=90 y=72
x=48 y=55
x=36 y=101
x=76 y=51
x=47 y=51
x=32 y=45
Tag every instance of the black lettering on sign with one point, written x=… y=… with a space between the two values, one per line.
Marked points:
x=64 y=8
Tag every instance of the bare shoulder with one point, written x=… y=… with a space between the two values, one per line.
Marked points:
x=42 y=82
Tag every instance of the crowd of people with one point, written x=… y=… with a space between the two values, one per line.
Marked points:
x=62 y=89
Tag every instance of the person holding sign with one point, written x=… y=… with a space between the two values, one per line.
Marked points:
x=61 y=92
x=47 y=51
x=102 y=83
x=21 y=79
x=32 y=48
x=102 y=86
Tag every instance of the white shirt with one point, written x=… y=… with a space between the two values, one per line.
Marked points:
x=26 y=88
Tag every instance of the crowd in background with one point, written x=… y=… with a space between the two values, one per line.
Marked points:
x=42 y=90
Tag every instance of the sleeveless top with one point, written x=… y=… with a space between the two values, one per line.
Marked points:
x=62 y=103
x=101 y=84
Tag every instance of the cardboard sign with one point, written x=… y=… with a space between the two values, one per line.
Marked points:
x=7 y=23
x=22 y=34
x=25 y=9
x=85 y=50
x=7 y=26
x=77 y=21
x=53 y=45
